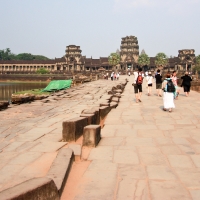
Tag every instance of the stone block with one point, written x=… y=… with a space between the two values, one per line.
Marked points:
x=110 y=92
x=95 y=111
x=104 y=104
x=37 y=188
x=91 y=135
x=90 y=117
x=103 y=111
x=119 y=87
x=76 y=148
x=117 y=95
x=73 y=128
x=118 y=91
x=61 y=167
x=115 y=99
x=113 y=105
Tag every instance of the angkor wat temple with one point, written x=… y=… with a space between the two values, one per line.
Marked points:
x=74 y=61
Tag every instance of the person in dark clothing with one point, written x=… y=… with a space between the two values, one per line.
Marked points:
x=158 y=78
x=186 y=83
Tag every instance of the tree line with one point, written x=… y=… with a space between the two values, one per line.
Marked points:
x=6 y=54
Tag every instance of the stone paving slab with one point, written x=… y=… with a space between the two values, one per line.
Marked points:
x=48 y=146
x=156 y=153
x=30 y=133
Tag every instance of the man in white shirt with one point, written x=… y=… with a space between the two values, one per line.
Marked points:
x=138 y=77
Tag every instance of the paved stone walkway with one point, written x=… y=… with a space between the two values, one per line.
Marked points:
x=146 y=153
x=31 y=134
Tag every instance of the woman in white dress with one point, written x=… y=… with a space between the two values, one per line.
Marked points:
x=149 y=80
x=168 y=97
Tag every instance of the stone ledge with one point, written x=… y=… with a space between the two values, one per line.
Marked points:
x=33 y=189
x=115 y=99
x=104 y=110
x=61 y=167
x=94 y=111
x=73 y=128
x=90 y=117
x=113 y=105
x=91 y=135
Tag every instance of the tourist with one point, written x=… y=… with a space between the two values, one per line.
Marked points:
x=186 y=83
x=129 y=73
x=111 y=76
x=174 y=80
x=138 y=80
x=146 y=73
x=168 y=96
x=118 y=76
x=158 y=78
x=115 y=76
x=149 y=80
x=107 y=75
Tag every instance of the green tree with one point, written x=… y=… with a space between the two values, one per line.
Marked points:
x=29 y=56
x=42 y=71
x=143 y=60
x=6 y=54
x=198 y=60
x=197 y=65
x=40 y=57
x=161 y=59
x=25 y=56
x=114 y=59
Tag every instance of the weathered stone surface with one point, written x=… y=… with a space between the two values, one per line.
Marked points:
x=28 y=130
x=113 y=104
x=37 y=188
x=76 y=148
x=118 y=91
x=104 y=110
x=168 y=190
x=91 y=135
x=104 y=104
x=117 y=95
x=101 y=153
x=73 y=128
x=48 y=146
x=94 y=111
x=115 y=99
x=92 y=118
x=60 y=168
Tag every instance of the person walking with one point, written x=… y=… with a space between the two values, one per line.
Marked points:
x=115 y=76
x=168 y=96
x=174 y=80
x=186 y=83
x=107 y=75
x=111 y=76
x=158 y=78
x=149 y=80
x=138 y=80
x=118 y=76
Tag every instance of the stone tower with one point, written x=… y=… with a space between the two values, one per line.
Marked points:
x=73 y=57
x=129 y=52
x=187 y=57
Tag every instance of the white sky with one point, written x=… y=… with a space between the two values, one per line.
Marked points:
x=46 y=27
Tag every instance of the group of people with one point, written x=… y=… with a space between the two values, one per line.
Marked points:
x=168 y=85
x=114 y=76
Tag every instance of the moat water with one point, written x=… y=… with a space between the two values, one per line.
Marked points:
x=8 y=88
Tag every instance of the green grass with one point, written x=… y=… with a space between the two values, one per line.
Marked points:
x=33 y=91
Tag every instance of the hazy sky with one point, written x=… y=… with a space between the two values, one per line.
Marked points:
x=46 y=27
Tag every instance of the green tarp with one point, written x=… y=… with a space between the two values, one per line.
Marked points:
x=58 y=85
